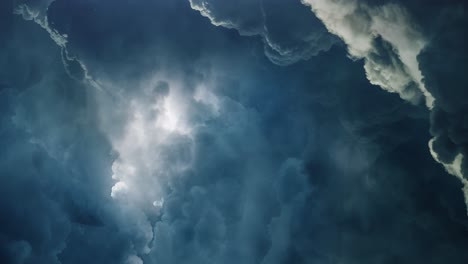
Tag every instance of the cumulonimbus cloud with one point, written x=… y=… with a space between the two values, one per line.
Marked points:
x=388 y=41
x=242 y=186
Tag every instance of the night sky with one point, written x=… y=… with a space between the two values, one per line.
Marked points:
x=233 y=131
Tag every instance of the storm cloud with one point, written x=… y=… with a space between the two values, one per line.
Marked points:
x=151 y=132
x=403 y=47
x=288 y=31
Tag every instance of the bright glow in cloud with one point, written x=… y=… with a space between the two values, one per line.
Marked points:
x=119 y=190
x=172 y=115
x=155 y=124
x=230 y=197
x=152 y=137
x=153 y=120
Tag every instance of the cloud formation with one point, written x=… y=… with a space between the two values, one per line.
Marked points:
x=392 y=48
x=449 y=87
x=183 y=146
x=384 y=36
x=288 y=31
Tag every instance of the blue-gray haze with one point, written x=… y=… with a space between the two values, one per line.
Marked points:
x=226 y=132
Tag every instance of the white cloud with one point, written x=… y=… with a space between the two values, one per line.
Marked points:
x=152 y=124
x=134 y=260
x=453 y=168
x=119 y=190
x=359 y=26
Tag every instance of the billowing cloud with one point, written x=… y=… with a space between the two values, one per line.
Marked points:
x=181 y=146
x=288 y=31
x=385 y=37
x=443 y=62
x=391 y=46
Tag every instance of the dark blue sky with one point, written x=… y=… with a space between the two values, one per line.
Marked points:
x=253 y=132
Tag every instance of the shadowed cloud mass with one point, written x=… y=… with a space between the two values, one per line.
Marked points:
x=207 y=131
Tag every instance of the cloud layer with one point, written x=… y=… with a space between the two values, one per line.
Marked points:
x=162 y=140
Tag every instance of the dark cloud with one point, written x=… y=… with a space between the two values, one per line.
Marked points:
x=443 y=63
x=289 y=31
x=53 y=156
x=151 y=136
